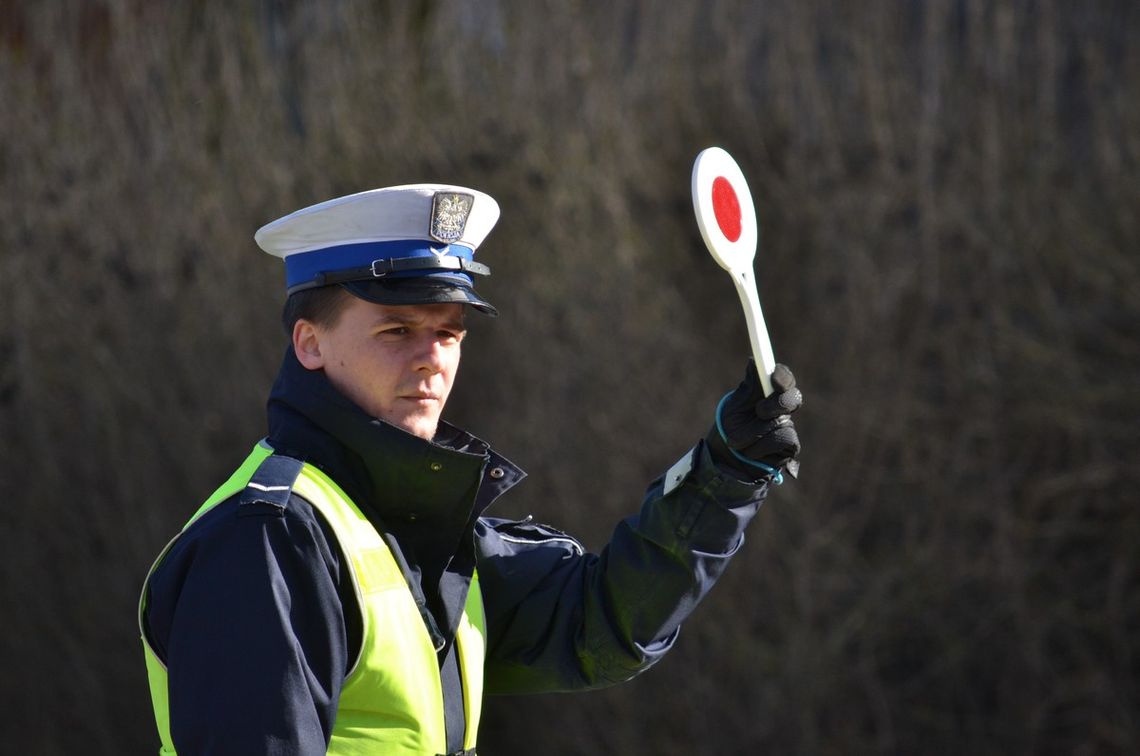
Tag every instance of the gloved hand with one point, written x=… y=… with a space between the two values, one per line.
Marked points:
x=753 y=435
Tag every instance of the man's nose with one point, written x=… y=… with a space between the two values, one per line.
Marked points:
x=429 y=355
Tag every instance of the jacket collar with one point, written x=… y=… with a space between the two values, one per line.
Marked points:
x=401 y=475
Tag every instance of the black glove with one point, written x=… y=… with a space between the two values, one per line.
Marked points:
x=753 y=435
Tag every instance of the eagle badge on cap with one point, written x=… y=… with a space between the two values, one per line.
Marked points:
x=449 y=211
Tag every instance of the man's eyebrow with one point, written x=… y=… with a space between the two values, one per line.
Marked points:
x=395 y=317
x=455 y=324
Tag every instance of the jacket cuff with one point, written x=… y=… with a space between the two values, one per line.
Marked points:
x=708 y=507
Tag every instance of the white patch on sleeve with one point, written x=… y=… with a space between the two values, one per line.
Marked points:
x=678 y=472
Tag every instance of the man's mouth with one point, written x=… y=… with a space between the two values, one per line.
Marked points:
x=420 y=397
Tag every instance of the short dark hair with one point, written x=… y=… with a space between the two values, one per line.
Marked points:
x=321 y=306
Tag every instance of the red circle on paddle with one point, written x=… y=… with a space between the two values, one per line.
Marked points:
x=726 y=207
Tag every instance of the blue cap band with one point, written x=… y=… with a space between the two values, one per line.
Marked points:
x=303 y=267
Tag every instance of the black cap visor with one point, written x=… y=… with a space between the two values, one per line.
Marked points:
x=409 y=291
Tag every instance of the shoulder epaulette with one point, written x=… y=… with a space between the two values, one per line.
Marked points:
x=273 y=481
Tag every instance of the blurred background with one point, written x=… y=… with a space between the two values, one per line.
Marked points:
x=949 y=260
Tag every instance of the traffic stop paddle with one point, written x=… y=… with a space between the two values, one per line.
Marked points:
x=727 y=220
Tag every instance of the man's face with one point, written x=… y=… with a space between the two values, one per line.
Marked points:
x=396 y=363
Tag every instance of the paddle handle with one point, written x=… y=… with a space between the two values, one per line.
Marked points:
x=757 y=330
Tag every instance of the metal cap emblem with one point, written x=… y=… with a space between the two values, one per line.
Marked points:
x=449 y=211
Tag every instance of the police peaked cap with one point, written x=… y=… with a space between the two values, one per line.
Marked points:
x=412 y=244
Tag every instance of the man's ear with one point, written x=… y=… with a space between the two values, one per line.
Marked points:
x=307 y=345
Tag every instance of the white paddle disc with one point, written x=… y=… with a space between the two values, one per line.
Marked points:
x=727 y=219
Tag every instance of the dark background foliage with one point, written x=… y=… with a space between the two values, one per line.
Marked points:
x=948 y=194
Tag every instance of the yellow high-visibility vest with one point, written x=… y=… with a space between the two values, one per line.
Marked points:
x=392 y=698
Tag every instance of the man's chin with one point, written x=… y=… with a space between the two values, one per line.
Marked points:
x=421 y=427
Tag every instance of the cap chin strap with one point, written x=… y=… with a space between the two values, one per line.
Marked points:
x=383 y=267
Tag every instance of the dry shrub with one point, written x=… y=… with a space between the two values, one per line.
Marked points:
x=947 y=195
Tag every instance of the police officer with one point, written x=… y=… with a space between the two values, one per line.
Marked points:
x=343 y=591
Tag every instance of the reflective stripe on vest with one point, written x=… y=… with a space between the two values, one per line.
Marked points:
x=392 y=698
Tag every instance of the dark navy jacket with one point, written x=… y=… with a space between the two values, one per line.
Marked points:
x=254 y=613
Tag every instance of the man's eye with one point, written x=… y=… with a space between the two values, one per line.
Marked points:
x=397 y=331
